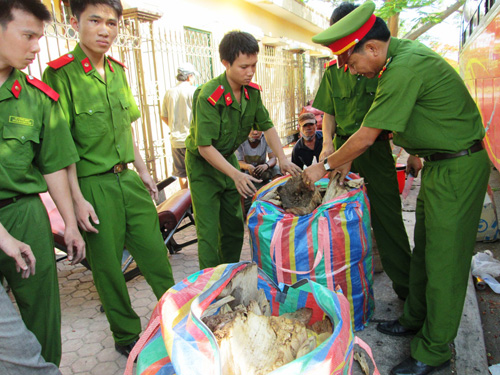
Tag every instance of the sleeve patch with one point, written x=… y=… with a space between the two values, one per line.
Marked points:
x=42 y=86
x=117 y=61
x=212 y=99
x=255 y=86
x=61 y=61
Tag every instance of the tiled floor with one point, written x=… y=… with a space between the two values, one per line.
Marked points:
x=88 y=347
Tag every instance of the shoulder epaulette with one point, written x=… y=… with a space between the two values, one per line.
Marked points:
x=42 y=86
x=330 y=63
x=216 y=95
x=116 y=61
x=255 y=86
x=61 y=61
x=385 y=67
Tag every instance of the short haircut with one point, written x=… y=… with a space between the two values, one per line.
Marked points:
x=379 y=30
x=34 y=7
x=79 y=6
x=236 y=42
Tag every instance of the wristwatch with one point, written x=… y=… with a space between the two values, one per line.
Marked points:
x=327 y=166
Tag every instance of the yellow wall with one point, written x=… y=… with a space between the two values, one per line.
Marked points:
x=220 y=16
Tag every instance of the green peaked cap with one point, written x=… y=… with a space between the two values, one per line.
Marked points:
x=347 y=25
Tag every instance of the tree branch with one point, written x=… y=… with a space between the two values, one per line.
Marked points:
x=415 y=33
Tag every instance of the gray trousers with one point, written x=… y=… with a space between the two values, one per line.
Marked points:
x=19 y=348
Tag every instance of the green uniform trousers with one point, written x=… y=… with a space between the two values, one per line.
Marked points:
x=376 y=165
x=37 y=296
x=448 y=210
x=128 y=219
x=217 y=210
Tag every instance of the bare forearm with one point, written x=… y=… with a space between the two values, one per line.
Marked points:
x=216 y=160
x=274 y=142
x=60 y=192
x=329 y=126
x=355 y=146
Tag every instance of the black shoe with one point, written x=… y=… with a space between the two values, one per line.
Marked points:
x=125 y=349
x=411 y=366
x=394 y=328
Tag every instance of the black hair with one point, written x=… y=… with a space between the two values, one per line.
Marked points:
x=34 y=7
x=79 y=6
x=236 y=42
x=379 y=30
x=341 y=11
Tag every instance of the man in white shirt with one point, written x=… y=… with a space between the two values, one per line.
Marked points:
x=176 y=113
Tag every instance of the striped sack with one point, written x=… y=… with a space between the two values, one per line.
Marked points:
x=331 y=245
x=176 y=341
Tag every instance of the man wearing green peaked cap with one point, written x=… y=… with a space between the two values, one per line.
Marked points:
x=413 y=101
x=345 y=99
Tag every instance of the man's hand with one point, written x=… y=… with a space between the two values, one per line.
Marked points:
x=84 y=213
x=20 y=252
x=312 y=174
x=74 y=244
x=258 y=170
x=343 y=170
x=244 y=184
x=150 y=185
x=413 y=165
x=326 y=151
x=250 y=169
x=287 y=166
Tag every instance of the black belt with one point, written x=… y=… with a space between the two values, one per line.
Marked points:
x=6 y=202
x=478 y=146
x=384 y=136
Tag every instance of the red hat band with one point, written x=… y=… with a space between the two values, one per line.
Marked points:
x=340 y=46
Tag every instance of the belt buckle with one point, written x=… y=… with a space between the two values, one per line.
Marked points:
x=118 y=168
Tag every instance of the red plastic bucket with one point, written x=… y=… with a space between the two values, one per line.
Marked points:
x=401 y=174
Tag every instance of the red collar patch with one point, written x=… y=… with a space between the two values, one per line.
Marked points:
x=385 y=67
x=87 y=66
x=228 y=99
x=246 y=94
x=16 y=88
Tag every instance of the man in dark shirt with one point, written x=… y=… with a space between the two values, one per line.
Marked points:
x=309 y=146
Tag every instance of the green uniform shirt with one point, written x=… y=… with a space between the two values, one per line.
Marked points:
x=345 y=96
x=99 y=111
x=226 y=124
x=35 y=138
x=423 y=100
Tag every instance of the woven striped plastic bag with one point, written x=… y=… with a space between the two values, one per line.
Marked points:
x=331 y=246
x=176 y=341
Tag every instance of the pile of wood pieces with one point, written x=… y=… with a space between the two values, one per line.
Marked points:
x=295 y=197
x=251 y=341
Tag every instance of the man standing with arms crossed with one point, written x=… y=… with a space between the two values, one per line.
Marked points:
x=176 y=113
x=100 y=108
x=35 y=149
x=346 y=99
x=224 y=111
x=413 y=101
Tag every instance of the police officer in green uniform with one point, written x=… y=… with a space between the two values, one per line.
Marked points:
x=35 y=149
x=99 y=106
x=346 y=99
x=225 y=109
x=424 y=102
